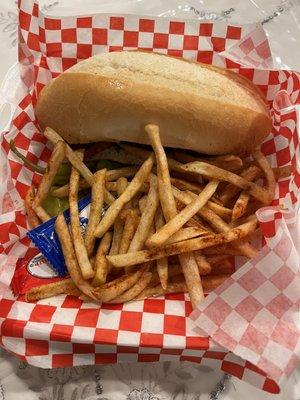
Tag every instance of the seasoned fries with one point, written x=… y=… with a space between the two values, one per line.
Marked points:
x=186 y=214
x=33 y=220
x=135 y=290
x=79 y=245
x=229 y=162
x=95 y=210
x=70 y=259
x=50 y=290
x=162 y=263
x=147 y=217
x=192 y=277
x=42 y=213
x=134 y=186
x=186 y=233
x=215 y=221
x=250 y=174
x=262 y=162
x=142 y=256
x=55 y=162
x=128 y=231
x=213 y=172
x=101 y=264
x=71 y=155
x=168 y=205
x=171 y=224
x=240 y=207
x=113 y=289
x=118 y=224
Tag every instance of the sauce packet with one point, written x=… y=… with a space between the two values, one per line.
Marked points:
x=46 y=240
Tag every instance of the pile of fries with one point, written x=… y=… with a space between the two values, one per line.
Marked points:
x=171 y=224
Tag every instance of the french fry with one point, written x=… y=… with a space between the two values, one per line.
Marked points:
x=181 y=218
x=250 y=173
x=118 y=224
x=76 y=161
x=101 y=265
x=131 y=190
x=63 y=191
x=167 y=201
x=213 y=172
x=203 y=264
x=73 y=268
x=113 y=289
x=49 y=290
x=215 y=221
x=195 y=221
x=282 y=172
x=244 y=248
x=122 y=184
x=79 y=245
x=97 y=201
x=125 y=172
x=53 y=166
x=135 y=290
x=185 y=234
x=147 y=217
x=117 y=236
x=41 y=213
x=128 y=231
x=263 y=163
x=186 y=185
x=240 y=207
x=229 y=162
x=221 y=211
x=192 y=277
x=108 y=197
x=166 y=197
x=197 y=189
x=241 y=203
x=175 y=269
x=142 y=256
x=162 y=263
x=33 y=220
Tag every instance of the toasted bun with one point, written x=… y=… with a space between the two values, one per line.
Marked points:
x=112 y=96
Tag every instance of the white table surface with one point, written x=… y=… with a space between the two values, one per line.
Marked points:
x=163 y=381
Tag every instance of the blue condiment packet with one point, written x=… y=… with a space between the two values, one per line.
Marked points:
x=46 y=240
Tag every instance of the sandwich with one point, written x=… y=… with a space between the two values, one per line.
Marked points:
x=112 y=96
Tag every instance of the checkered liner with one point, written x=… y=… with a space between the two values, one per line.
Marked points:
x=257 y=300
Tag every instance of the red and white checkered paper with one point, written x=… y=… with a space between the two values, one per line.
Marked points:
x=249 y=323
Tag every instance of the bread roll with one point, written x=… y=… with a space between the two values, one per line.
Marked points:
x=112 y=96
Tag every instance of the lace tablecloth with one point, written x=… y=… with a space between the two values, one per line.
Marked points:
x=157 y=381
